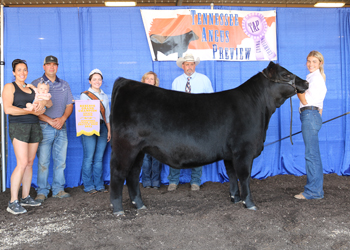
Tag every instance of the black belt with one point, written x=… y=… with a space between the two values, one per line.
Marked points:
x=309 y=108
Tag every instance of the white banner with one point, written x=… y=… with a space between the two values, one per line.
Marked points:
x=225 y=35
x=87 y=117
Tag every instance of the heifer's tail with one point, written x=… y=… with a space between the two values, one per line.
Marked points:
x=120 y=81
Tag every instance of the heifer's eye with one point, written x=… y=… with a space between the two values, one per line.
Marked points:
x=286 y=75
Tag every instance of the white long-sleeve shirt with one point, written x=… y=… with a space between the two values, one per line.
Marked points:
x=199 y=83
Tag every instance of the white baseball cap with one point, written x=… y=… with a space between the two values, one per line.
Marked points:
x=95 y=71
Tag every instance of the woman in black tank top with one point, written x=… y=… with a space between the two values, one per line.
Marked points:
x=25 y=133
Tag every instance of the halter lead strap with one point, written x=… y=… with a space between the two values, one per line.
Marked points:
x=292 y=83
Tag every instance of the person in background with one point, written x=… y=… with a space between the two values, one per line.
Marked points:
x=190 y=82
x=94 y=146
x=25 y=134
x=53 y=126
x=311 y=107
x=151 y=167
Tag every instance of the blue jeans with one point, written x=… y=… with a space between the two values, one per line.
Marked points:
x=174 y=176
x=92 y=170
x=311 y=123
x=150 y=171
x=55 y=141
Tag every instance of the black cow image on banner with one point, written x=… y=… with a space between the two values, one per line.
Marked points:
x=172 y=44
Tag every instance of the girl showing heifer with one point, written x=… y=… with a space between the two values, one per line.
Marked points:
x=311 y=106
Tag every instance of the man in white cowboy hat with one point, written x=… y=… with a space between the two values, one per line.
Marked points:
x=191 y=82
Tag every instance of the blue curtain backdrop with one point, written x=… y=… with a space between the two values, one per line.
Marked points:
x=114 y=40
x=345 y=80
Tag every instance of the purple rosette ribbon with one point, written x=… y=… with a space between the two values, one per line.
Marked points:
x=254 y=25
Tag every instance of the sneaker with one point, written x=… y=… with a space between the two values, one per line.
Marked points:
x=15 y=208
x=195 y=187
x=29 y=201
x=172 y=187
x=40 y=198
x=61 y=194
x=300 y=196
x=103 y=190
x=92 y=191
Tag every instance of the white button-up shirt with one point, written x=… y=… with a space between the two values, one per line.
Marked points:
x=103 y=98
x=317 y=90
x=199 y=83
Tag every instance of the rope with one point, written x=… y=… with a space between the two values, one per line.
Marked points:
x=300 y=131
x=291 y=121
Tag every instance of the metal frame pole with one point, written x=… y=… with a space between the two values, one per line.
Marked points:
x=3 y=132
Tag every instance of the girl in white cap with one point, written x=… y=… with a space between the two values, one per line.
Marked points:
x=94 y=146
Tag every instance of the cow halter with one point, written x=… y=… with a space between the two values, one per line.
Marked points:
x=292 y=83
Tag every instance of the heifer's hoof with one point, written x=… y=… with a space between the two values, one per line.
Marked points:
x=253 y=208
x=235 y=199
x=139 y=205
x=250 y=207
x=142 y=208
x=119 y=213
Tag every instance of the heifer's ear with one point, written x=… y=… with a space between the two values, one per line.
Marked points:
x=271 y=64
x=270 y=71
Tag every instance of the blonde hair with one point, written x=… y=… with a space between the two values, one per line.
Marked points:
x=156 y=80
x=319 y=56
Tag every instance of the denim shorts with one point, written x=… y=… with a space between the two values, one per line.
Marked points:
x=26 y=132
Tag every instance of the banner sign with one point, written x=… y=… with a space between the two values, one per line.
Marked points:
x=87 y=117
x=225 y=35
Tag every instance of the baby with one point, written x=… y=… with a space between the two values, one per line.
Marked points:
x=41 y=93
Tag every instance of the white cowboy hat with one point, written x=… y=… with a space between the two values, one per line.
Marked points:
x=187 y=58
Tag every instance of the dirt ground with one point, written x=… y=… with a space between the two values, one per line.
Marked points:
x=187 y=220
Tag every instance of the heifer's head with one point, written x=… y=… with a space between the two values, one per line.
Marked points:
x=276 y=73
x=286 y=84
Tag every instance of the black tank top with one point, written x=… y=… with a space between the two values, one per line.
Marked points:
x=20 y=99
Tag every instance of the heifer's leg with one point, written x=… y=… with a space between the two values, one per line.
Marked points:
x=234 y=190
x=243 y=165
x=116 y=185
x=132 y=181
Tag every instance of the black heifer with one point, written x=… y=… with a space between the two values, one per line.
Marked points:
x=172 y=44
x=187 y=130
